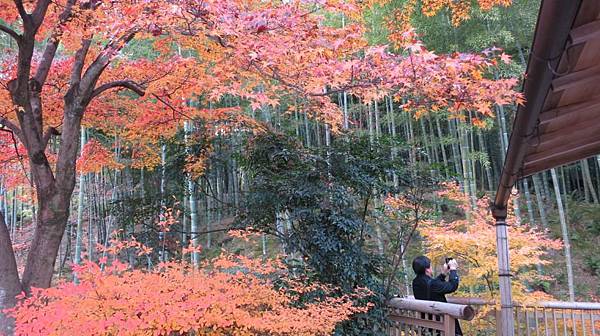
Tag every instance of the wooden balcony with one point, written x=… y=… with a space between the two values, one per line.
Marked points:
x=417 y=317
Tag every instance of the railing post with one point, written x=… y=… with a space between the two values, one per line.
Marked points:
x=507 y=322
x=449 y=325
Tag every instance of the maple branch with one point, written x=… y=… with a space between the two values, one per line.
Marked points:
x=5 y=123
x=22 y=12
x=131 y=85
x=39 y=12
x=93 y=72
x=79 y=62
x=170 y=106
x=276 y=76
x=50 y=51
x=11 y=33
x=16 y=148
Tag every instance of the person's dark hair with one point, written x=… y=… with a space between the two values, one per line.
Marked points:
x=420 y=264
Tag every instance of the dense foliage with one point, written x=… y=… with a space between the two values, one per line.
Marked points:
x=232 y=296
x=316 y=201
x=348 y=136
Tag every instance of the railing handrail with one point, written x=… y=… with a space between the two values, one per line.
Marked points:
x=457 y=311
x=542 y=304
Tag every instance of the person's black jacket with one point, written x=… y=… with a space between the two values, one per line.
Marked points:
x=438 y=288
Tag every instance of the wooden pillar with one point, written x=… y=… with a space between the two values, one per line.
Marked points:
x=506 y=322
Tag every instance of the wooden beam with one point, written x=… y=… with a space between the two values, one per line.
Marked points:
x=575 y=79
x=563 y=144
x=559 y=158
x=477 y=301
x=572 y=113
x=462 y=312
x=410 y=321
x=585 y=32
x=573 y=135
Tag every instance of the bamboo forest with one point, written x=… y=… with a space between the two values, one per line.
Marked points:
x=299 y=167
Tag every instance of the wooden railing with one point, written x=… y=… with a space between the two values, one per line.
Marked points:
x=418 y=317
x=545 y=318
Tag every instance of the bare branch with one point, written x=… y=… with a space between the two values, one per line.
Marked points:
x=127 y=84
x=5 y=123
x=10 y=32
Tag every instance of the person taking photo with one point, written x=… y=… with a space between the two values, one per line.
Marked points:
x=425 y=287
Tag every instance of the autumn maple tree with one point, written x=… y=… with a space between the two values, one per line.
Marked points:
x=69 y=71
x=471 y=239
x=72 y=68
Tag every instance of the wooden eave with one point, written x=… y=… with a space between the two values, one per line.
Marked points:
x=560 y=120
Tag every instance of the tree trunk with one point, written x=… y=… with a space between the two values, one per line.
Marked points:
x=454 y=146
x=587 y=178
x=79 y=231
x=442 y=146
x=486 y=165
x=466 y=166
x=10 y=284
x=565 y=233
x=191 y=186
x=528 y=201
x=539 y=197
x=52 y=219
x=345 y=100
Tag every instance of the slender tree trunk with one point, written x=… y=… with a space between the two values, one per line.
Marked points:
x=466 y=169
x=434 y=145
x=15 y=207
x=393 y=132
x=191 y=186
x=297 y=123
x=370 y=124
x=565 y=192
x=544 y=179
x=598 y=170
x=442 y=146
x=486 y=165
x=91 y=218
x=565 y=233
x=587 y=178
x=586 y=190
x=528 y=202
x=10 y=284
x=81 y=193
x=345 y=100
x=306 y=130
x=411 y=140
x=539 y=197
x=209 y=217
x=377 y=124
x=425 y=141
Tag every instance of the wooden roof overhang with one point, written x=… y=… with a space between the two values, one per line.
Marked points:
x=560 y=120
